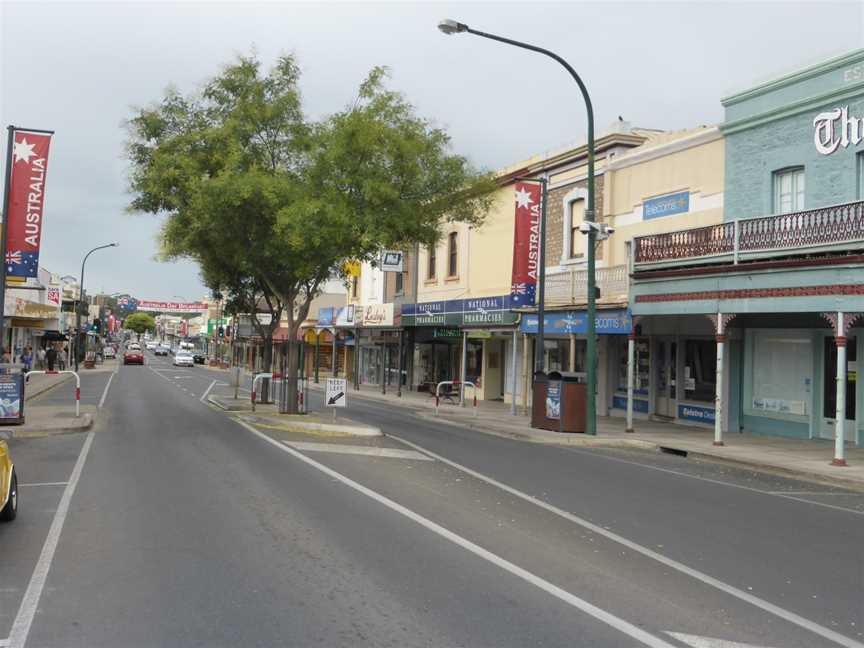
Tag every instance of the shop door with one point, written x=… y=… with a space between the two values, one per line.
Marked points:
x=666 y=357
x=829 y=389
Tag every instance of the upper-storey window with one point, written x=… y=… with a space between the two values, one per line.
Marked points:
x=789 y=190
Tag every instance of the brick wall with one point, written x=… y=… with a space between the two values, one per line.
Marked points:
x=555 y=218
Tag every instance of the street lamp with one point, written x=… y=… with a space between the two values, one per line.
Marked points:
x=81 y=300
x=450 y=27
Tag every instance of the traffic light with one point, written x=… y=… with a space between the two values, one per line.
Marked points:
x=221 y=331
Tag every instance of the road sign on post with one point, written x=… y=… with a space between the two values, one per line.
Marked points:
x=336 y=394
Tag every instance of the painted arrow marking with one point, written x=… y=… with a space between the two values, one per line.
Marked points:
x=709 y=642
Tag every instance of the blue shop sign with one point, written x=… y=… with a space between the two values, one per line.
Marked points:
x=325 y=317
x=611 y=322
x=639 y=404
x=475 y=311
x=668 y=205
x=696 y=413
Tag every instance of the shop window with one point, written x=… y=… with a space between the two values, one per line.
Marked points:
x=474 y=368
x=431 y=262
x=700 y=370
x=642 y=372
x=452 y=254
x=789 y=190
x=400 y=283
x=782 y=370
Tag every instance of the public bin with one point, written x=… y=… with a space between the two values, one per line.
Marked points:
x=11 y=394
x=558 y=402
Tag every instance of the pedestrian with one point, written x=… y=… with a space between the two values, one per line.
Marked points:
x=40 y=358
x=27 y=358
x=51 y=357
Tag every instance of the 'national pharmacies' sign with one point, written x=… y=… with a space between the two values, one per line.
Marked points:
x=479 y=311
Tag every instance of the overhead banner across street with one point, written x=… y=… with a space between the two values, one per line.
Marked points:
x=26 y=200
x=170 y=307
x=526 y=245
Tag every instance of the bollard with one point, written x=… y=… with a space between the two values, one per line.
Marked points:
x=475 y=402
x=436 y=404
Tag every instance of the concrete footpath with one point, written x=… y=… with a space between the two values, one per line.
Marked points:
x=808 y=459
x=46 y=420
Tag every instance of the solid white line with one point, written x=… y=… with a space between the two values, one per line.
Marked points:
x=4 y=642
x=207 y=391
x=776 y=610
x=368 y=451
x=105 y=391
x=602 y=615
x=719 y=482
x=697 y=641
x=45 y=484
x=30 y=602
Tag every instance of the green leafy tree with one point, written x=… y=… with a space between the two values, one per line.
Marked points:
x=256 y=192
x=140 y=323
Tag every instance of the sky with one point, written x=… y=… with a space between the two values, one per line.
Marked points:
x=81 y=69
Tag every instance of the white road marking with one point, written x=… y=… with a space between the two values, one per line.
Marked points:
x=45 y=484
x=610 y=619
x=339 y=448
x=4 y=642
x=207 y=391
x=105 y=391
x=719 y=482
x=698 y=641
x=183 y=377
x=156 y=371
x=30 y=602
x=776 y=610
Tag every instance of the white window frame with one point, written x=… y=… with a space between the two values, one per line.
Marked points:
x=860 y=160
x=572 y=196
x=798 y=186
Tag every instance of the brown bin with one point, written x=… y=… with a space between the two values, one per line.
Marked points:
x=558 y=402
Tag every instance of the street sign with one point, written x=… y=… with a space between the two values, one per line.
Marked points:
x=391 y=261
x=336 y=394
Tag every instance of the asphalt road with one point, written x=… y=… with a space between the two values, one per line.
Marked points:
x=171 y=524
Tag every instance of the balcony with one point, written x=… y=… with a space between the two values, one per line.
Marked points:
x=837 y=228
x=570 y=287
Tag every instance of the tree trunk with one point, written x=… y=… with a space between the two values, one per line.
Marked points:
x=292 y=371
x=267 y=367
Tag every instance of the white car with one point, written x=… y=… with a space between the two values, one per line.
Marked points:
x=184 y=359
x=150 y=346
x=108 y=352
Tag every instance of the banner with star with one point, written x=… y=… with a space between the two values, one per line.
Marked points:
x=26 y=199
x=526 y=245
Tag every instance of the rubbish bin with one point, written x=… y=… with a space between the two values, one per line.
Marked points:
x=11 y=394
x=559 y=401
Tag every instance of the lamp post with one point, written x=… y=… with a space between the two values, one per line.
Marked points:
x=81 y=301
x=453 y=27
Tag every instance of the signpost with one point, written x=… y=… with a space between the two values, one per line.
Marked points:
x=336 y=394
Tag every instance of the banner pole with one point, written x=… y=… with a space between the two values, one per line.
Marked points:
x=7 y=189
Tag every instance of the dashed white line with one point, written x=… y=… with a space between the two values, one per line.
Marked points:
x=30 y=602
x=608 y=618
x=776 y=610
x=105 y=391
x=44 y=484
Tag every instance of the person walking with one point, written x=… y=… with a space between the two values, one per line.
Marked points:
x=27 y=358
x=40 y=358
x=51 y=357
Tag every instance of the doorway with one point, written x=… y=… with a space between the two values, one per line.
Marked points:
x=829 y=388
x=666 y=361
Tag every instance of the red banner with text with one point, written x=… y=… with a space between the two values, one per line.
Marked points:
x=26 y=200
x=526 y=245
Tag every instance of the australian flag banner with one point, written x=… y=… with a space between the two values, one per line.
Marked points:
x=526 y=245
x=26 y=199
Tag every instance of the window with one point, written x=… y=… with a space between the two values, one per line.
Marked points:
x=430 y=269
x=789 y=190
x=700 y=370
x=577 y=215
x=400 y=283
x=452 y=254
x=860 y=158
x=354 y=282
x=782 y=370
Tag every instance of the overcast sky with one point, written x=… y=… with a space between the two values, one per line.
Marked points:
x=80 y=69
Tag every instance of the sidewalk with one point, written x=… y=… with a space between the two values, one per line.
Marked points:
x=804 y=459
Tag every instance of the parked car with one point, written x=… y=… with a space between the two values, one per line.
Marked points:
x=8 y=486
x=183 y=359
x=198 y=357
x=133 y=356
x=160 y=350
x=109 y=352
x=150 y=346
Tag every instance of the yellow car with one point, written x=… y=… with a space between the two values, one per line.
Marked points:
x=8 y=486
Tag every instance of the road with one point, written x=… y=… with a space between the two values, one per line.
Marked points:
x=174 y=524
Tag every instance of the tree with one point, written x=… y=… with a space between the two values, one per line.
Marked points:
x=257 y=193
x=140 y=323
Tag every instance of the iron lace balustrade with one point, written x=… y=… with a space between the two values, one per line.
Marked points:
x=570 y=286
x=837 y=227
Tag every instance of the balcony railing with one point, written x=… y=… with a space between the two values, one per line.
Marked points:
x=837 y=227
x=570 y=287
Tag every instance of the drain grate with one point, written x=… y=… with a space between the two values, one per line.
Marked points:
x=673 y=451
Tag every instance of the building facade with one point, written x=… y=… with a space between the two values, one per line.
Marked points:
x=778 y=286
